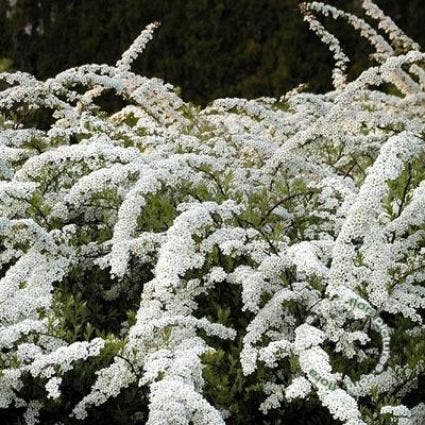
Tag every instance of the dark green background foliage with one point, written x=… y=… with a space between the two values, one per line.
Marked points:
x=209 y=48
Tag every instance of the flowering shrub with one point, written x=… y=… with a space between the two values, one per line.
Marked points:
x=166 y=264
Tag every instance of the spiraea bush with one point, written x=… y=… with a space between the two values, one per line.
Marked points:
x=253 y=262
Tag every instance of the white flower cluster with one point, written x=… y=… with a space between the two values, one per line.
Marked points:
x=295 y=205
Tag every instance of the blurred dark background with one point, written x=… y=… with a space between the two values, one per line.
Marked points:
x=208 y=48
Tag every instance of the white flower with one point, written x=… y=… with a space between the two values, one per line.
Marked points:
x=299 y=388
x=52 y=387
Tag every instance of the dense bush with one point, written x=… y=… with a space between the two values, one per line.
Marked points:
x=251 y=262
